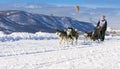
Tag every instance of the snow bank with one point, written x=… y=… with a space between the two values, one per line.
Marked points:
x=26 y=36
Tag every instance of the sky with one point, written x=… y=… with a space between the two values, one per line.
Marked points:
x=104 y=3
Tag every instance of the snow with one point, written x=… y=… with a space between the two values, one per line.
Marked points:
x=26 y=36
x=32 y=52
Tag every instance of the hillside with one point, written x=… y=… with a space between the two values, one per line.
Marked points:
x=21 y=21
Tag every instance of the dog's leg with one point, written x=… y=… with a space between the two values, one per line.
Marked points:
x=72 y=41
x=76 y=40
x=65 y=40
x=60 y=41
x=85 y=39
x=91 y=41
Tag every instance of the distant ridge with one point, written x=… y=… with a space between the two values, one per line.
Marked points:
x=21 y=21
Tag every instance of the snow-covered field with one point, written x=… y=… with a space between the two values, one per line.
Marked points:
x=42 y=51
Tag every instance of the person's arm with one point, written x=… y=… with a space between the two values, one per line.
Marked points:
x=98 y=24
x=105 y=25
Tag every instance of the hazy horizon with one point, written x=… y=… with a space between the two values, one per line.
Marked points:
x=89 y=3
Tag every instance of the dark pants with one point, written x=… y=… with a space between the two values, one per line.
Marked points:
x=102 y=35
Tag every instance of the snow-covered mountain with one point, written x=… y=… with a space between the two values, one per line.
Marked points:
x=21 y=21
x=87 y=13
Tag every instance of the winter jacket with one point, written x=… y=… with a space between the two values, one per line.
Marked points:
x=104 y=27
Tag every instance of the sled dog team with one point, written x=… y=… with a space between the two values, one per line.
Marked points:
x=71 y=35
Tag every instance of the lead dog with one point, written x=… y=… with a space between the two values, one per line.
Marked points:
x=62 y=36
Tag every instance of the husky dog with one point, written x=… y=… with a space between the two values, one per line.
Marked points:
x=62 y=36
x=96 y=34
x=92 y=35
x=73 y=34
x=87 y=35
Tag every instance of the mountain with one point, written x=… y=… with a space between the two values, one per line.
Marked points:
x=86 y=13
x=21 y=21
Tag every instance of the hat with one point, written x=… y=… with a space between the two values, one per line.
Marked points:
x=102 y=18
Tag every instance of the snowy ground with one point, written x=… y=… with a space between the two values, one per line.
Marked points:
x=41 y=51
